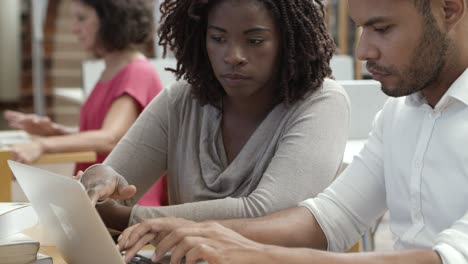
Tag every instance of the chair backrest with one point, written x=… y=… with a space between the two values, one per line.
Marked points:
x=366 y=100
x=92 y=70
x=342 y=67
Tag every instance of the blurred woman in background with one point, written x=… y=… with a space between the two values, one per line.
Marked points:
x=113 y=30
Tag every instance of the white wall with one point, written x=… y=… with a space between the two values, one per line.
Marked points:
x=10 y=59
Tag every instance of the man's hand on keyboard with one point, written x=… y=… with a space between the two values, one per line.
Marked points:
x=151 y=231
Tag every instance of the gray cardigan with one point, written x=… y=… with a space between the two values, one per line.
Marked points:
x=293 y=155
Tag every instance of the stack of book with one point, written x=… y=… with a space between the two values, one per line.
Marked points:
x=16 y=217
x=43 y=259
x=18 y=249
x=15 y=247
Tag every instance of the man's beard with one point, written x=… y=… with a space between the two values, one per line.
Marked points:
x=426 y=65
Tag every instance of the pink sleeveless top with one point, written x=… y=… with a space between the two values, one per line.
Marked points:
x=138 y=80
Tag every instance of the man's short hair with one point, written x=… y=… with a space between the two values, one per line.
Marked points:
x=424 y=6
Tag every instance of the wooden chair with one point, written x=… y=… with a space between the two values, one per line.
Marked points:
x=356 y=248
x=6 y=175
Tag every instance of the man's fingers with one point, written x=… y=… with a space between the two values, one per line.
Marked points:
x=137 y=233
x=205 y=252
x=186 y=244
x=124 y=236
x=174 y=238
x=160 y=237
x=164 y=226
x=130 y=235
x=132 y=250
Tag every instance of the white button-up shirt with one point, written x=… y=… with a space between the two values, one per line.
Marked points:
x=415 y=164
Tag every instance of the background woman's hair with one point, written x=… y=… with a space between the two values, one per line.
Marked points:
x=306 y=49
x=123 y=23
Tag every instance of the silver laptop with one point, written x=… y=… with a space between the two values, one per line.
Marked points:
x=69 y=218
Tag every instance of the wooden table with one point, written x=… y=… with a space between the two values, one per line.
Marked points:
x=54 y=253
x=6 y=175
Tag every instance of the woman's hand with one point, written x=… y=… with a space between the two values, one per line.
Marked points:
x=26 y=152
x=33 y=124
x=151 y=231
x=102 y=182
x=193 y=241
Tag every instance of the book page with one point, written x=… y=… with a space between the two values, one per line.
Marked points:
x=7 y=207
x=17 y=239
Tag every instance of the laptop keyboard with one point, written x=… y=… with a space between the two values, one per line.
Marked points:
x=138 y=259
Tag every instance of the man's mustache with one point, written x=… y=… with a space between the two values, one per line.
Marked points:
x=372 y=66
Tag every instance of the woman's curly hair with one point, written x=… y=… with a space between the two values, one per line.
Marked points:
x=307 y=46
x=123 y=23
